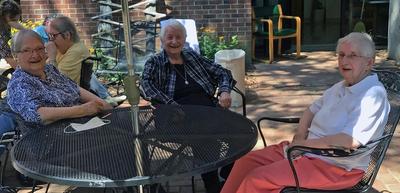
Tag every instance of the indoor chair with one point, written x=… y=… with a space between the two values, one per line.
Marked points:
x=391 y=81
x=267 y=23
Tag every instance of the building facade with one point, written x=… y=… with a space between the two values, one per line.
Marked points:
x=225 y=17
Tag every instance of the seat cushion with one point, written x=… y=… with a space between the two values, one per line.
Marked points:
x=282 y=32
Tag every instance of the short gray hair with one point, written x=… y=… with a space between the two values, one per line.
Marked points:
x=64 y=24
x=362 y=41
x=172 y=23
x=19 y=38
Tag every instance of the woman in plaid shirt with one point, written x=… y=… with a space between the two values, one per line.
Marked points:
x=179 y=75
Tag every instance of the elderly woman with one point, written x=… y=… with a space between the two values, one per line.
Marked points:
x=349 y=114
x=39 y=92
x=179 y=75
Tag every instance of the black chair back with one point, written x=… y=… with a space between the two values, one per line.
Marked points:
x=391 y=81
x=86 y=73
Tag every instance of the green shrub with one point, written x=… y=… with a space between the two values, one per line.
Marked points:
x=211 y=44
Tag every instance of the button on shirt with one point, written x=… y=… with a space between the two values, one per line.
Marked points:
x=360 y=111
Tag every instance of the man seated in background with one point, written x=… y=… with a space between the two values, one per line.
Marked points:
x=66 y=51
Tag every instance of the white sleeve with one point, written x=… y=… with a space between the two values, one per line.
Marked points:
x=368 y=118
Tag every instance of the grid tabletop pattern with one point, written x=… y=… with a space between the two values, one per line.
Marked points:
x=173 y=141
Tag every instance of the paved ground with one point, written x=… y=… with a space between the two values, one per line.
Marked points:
x=286 y=88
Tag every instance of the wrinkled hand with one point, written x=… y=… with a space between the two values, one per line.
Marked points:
x=51 y=50
x=105 y=105
x=92 y=107
x=225 y=99
x=295 y=142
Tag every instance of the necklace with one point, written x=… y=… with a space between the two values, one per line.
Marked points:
x=184 y=72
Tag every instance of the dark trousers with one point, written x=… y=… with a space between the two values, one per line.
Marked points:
x=211 y=180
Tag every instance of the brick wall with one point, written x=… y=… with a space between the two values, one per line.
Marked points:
x=228 y=17
x=80 y=12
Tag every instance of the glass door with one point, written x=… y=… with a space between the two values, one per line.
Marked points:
x=321 y=24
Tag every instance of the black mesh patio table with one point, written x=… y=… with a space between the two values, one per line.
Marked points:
x=173 y=141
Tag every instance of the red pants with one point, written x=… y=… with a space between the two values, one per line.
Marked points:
x=267 y=171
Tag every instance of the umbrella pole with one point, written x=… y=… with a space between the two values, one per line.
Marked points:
x=131 y=88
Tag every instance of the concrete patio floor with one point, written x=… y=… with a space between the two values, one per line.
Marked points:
x=286 y=88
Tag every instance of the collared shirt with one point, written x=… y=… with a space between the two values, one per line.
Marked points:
x=27 y=93
x=70 y=63
x=158 y=78
x=360 y=111
x=5 y=36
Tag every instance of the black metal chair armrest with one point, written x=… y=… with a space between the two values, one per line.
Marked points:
x=277 y=119
x=8 y=72
x=3 y=83
x=95 y=58
x=328 y=152
x=243 y=100
x=7 y=137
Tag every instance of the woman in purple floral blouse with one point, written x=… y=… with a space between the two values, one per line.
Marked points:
x=39 y=92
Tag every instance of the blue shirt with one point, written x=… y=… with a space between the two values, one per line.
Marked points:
x=41 y=30
x=27 y=93
x=159 y=78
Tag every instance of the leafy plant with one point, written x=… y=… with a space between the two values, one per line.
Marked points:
x=210 y=43
x=28 y=24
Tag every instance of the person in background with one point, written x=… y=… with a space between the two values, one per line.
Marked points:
x=10 y=12
x=41 y=29
x=178 y=75
x=39 y=93
x=348 y=115
x=67 y=51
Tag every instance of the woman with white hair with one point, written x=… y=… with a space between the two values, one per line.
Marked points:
x=38 y=92
x=349 y=114
x=179 y=75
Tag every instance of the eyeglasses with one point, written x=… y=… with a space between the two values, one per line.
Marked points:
x=40 y=51
x=53 y=36
x=350 y=57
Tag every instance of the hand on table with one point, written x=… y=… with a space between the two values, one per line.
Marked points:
x=225 y=99
x=93 y=107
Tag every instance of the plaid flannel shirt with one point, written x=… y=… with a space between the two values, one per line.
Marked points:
x=158 y=78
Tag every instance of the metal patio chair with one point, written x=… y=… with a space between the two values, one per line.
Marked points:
x=391 y=81
x=6 y=139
